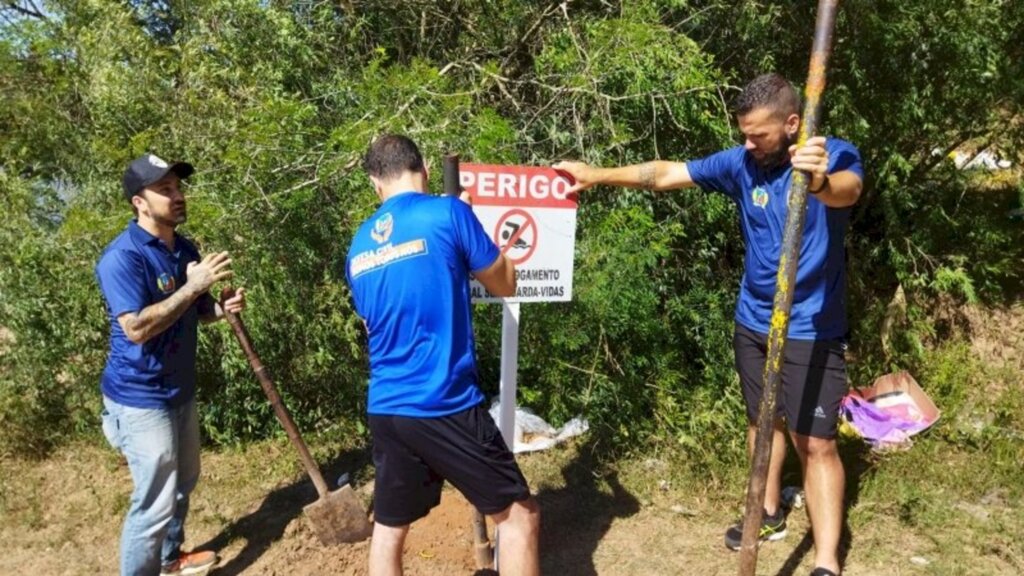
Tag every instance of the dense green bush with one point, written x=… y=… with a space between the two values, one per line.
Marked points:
x=274 y=103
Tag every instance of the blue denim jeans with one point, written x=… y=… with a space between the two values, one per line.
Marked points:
x=162 y=448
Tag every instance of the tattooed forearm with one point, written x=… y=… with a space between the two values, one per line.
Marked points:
x=156 y=318
x=648 y=175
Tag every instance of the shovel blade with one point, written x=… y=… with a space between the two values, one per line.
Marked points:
x=339 y=517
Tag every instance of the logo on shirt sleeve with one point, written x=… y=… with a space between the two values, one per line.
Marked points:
x=165 y=282
x=382 y=228
x=760 y=197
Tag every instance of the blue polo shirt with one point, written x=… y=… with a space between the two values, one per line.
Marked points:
x=408 y=268
x=137 y=270
x=819 y=298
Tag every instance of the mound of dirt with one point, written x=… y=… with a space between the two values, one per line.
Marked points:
x=441 y=543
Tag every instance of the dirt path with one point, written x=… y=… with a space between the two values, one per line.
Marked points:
x=65 y=513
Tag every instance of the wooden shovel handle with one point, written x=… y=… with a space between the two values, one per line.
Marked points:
x=271 y=391
x=483 y=554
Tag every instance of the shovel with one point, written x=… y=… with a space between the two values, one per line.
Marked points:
x=337 y=517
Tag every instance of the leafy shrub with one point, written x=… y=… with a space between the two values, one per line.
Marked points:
x=274 y=102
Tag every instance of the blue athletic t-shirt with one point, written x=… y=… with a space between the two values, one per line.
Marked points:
x=408 y=268
x=137 y=270
x=819 y=299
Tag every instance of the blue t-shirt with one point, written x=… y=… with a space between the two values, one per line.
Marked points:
x=137 y=270
x=819 y=298
x=408 y=268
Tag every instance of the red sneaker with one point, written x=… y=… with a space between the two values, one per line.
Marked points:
x=190 y=563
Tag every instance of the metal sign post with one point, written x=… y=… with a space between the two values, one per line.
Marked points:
x=509 y=370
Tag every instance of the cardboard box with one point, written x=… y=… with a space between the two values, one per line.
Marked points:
x=895 y=383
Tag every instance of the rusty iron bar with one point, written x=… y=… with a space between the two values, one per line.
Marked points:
x=483 y=553
x=785 y=284
x=450 y=174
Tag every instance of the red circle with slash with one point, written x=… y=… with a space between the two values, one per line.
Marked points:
x=513 y=231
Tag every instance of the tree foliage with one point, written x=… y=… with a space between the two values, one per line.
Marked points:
x=274 y=101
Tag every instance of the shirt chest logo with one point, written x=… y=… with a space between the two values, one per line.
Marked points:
x=382 y=228
x=759 y=196
x=166 y=283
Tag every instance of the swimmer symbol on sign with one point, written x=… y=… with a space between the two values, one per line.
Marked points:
x=516 y=235
x=511 y=228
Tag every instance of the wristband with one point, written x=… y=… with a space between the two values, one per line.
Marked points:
x=824 y=185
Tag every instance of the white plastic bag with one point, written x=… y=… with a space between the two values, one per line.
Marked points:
x=532 y=433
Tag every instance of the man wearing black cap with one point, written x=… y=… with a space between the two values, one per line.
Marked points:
x=157 y=290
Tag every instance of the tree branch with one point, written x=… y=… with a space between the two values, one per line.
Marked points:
x=32 y=10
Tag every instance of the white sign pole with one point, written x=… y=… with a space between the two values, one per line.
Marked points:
x=507 y=392
x=509 y=368
x=523 y=208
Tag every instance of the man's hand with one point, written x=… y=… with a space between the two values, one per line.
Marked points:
x=155 y=318
x=813 y=159
x=236 y=303
x=213 y=268
x=583 y=175
x=654 y=175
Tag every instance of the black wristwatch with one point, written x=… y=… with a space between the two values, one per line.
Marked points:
x=824 y=185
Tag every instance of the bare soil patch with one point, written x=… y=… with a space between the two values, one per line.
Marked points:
x=63 y=516
x=997 y=335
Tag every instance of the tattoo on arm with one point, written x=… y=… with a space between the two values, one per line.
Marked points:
x=648 y=175
x=158 y=317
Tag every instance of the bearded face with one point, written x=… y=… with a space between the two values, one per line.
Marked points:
x=768 y=136
x=163 y=202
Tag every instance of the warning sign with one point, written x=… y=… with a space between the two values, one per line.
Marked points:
x=532 y=218
x=516 y=235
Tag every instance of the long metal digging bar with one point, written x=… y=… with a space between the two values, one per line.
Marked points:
x=483 y=553
x=785 y=283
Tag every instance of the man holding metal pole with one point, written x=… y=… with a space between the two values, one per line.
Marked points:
x=757 y=177
x=409 y=268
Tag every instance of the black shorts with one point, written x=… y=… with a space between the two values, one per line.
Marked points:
x=414 y=456
x=813 y=381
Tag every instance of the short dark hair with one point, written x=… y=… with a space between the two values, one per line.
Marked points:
x=770 y=91
x=392 y=155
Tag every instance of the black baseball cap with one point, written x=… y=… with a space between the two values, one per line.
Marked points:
x=148 y=169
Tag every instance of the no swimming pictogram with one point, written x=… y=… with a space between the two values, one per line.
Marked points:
x=516 y=235
x=522 y=207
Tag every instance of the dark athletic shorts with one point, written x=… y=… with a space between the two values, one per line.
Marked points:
x=414 y=456
x=813 y=381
